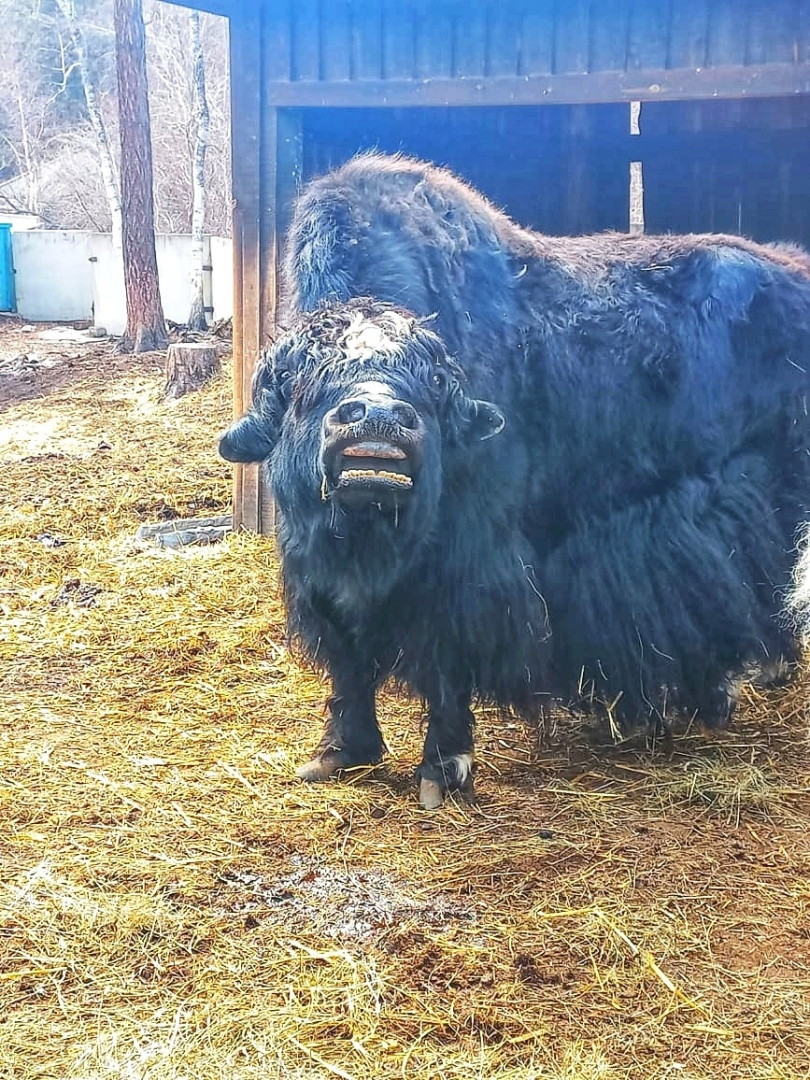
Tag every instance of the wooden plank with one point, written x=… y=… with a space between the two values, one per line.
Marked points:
x=649 y=34
x=766 y=80
x=280 y=177
x=762 y=146
x=688 y=34
x=366 y=56
x=771 y=30
x=572 y=37
x=609 y=37
x=289 y=170
x=398 y=40
x=266 y=171
x=277 y=39
x=306 y=48
x=246 y=96
x=657 y=185
x=336 y=28
x=265 y=271
x=801 y=34
x=727 y=35
x=504 y=34
x=784 y=221
x=433 y=40
x=734 y=181
x=577 y=146
x=538 y=38
x=469 y=40
x=797 y=211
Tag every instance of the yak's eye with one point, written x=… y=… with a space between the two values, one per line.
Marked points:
x=284 y=381
x=440 y=379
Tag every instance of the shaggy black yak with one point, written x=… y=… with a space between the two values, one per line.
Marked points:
x=523 y=469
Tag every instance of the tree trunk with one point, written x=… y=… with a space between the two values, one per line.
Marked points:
x=32 y=167
x=197 y=319
x=188 y=366
x=145 y=326
x=68 y=9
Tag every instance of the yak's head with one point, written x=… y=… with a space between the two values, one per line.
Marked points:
x=356 y=409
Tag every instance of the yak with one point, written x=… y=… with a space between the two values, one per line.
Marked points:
x=526 y=470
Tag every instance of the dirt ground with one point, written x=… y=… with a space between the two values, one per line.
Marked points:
x=174 y=904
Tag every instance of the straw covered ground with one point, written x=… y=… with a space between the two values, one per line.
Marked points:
x=174 y=904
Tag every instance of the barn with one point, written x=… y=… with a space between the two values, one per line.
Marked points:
x=555 y=110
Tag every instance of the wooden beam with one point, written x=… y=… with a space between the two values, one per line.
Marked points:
x=281 y=161
x=267 y=162
x=245 y=46
x=752 y=81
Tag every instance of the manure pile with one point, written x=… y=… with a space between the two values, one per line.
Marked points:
x=175 y=905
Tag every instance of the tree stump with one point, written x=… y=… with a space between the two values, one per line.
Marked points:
x=189 y=365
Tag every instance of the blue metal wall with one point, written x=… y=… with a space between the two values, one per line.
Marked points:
x=8 y=299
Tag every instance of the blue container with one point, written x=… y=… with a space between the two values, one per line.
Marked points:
x=8 y=295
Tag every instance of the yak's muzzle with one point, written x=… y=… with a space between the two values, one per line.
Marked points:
x=371 y=448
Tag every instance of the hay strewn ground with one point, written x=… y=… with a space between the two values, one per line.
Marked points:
x=174 y=904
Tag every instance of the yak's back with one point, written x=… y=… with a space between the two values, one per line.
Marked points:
x=656 y=307
x=411 y=234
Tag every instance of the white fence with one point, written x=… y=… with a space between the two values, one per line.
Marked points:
x=66 y=276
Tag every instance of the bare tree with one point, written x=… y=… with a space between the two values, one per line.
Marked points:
x=146 y=328
x=68 y=10
x=33 y=79
x=27 y=149
x=174 y=120
x=58 y=98
x=196 y=319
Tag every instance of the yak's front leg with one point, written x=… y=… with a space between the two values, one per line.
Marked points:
x=351 y=735
x=447 y=759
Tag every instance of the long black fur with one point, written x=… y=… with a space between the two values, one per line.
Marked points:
x=626 y=540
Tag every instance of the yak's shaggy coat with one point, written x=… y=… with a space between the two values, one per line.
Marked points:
x=625 y=541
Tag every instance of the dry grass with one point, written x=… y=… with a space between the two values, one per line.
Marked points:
x=175 y=905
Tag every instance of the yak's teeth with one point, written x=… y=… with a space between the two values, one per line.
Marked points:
x=358 y=474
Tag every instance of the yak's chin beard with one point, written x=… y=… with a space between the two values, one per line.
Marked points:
x=371 y=474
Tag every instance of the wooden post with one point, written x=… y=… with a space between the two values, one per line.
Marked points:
x=245 y=102
x=266 y=175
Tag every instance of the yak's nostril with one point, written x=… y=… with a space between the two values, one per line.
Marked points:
x=383 y=411
x=404 y=414
x=351 y=412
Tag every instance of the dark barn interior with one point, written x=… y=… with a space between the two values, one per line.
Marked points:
x=530 y=101
x=559 y=169
x=740 y=166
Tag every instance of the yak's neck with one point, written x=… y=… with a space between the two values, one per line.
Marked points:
x=357 y=559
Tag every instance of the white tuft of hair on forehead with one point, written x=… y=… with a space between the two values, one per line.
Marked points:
x=385 y=337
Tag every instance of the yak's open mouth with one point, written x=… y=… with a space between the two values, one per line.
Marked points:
x=369 y=470
x=373 y=463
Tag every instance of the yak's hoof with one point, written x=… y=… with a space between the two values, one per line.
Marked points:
x=320 y=768
x=432 y=794
x=454 y=775
x=330 y=763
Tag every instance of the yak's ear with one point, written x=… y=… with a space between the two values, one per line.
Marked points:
x=247 y=439
x=480 y=419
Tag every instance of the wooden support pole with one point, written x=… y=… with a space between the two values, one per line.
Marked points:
x=267 y=156
x=245 y=101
